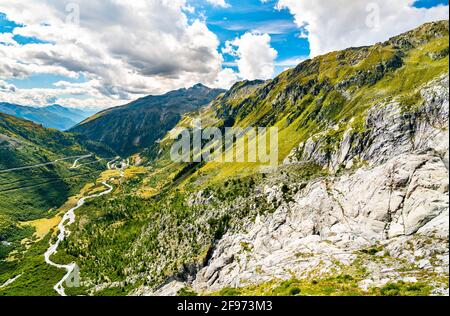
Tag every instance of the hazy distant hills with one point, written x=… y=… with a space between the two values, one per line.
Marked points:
x=130 y=128
x=54 y=116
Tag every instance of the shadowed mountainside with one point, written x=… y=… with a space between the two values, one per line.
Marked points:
x=135 y=126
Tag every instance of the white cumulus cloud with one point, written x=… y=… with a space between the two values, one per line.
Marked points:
x=339 y=24
x=125 y=49
x=255 y=56
x=219 y=3
x=6 y=87
x=226 y=78
x=7 y=39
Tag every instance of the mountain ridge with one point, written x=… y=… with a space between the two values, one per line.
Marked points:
x=134 y=126
x=52 y=116
x=24 y=143
x=37 y=176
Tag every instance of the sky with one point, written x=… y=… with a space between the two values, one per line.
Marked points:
x=104 y=53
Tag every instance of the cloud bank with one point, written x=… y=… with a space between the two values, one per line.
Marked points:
x=339 y=24
x=123 y=48
x=113 y=51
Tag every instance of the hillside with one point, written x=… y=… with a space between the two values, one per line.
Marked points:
x=358 y=204
x=135 y=126
x=36 y=176
x=363 y=172
x=54 y=116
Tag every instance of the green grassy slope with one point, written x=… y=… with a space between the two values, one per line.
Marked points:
x=37 y=192
x=328 y=94
x=338 y=88
x=139 y=237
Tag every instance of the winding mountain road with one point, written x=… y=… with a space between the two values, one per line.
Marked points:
x=45 y=164
x=108 y=165
x=10 y=281
x=75 y=163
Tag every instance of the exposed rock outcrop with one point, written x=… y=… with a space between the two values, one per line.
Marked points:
x=389 y=130
x=363 y=197
x=397 y=202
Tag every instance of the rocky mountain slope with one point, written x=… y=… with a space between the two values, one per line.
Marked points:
x=357 y=206
x=53 y=116
x=395 y=206
x=379 y=219
x=380 y=227
x=135 y=126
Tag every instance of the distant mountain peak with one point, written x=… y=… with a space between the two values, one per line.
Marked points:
x=56 y=106
x=200 y=86
x=147 y=118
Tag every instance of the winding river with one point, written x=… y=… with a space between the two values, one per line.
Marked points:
x=67 y=220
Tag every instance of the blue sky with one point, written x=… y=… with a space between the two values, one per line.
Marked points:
x=252 y=15
x=243 y=16
x=228 y=24
x=429 y=3
x=7 y=26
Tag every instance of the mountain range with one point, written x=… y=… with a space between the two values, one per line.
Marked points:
x=130 y=128
x=53 y=116
x=358 y=204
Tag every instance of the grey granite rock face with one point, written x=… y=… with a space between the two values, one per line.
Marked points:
x=396 y=204
x=330 y=220
x=389 y=132
x=399 y=201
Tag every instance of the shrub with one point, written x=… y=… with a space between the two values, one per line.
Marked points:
x=295 y=291
x=390 y=289
x=187 y=292
x=228 y=291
